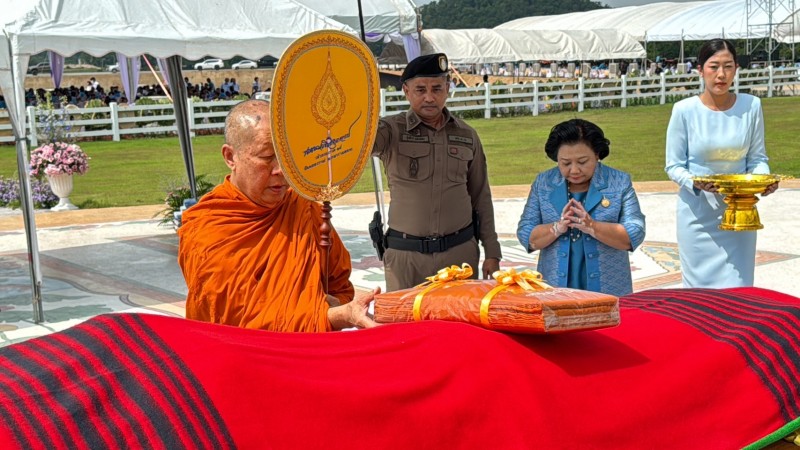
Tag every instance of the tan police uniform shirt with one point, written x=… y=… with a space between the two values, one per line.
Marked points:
x=436 y=178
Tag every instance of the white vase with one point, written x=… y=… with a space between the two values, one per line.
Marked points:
x=61 y=185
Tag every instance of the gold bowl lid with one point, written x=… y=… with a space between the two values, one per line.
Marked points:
x=741 y=183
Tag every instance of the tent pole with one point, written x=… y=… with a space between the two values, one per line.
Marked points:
x=26 y=204
x=17 y=118
x=178 y=87
x=361 y=22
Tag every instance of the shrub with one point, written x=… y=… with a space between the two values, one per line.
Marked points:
x=177 y=193
x=43 y=197
x=9 y=193
x=95 y=103
x=52 y=122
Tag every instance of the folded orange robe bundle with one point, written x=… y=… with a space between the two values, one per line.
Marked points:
x=515 y=302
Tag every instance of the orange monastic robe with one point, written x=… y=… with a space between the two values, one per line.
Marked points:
x=253 y=267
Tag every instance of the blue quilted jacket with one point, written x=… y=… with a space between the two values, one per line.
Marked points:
x=607 y=269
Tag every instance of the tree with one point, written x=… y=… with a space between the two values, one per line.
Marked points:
x=458 y=14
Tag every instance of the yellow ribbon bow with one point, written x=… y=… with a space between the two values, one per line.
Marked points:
x=442 y=276
x=451 y=273
x=526 y=279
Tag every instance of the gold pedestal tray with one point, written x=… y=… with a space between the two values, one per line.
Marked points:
x=740 y=191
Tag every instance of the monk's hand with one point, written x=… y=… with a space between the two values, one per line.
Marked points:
x=354 y=313
x=490 y=266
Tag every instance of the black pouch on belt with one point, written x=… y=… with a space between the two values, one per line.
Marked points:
x=376 y=234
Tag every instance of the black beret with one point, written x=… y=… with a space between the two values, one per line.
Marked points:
x=434 y=65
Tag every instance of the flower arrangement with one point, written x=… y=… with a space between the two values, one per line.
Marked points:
x=43 y=197
x=57 y=155
x=58 y=158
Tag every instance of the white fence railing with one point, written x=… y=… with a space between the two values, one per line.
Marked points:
x=481 y=101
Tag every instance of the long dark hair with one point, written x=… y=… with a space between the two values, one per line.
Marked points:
x=712 y=47
x=575 y=131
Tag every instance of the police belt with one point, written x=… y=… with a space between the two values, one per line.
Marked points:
x=434 y=244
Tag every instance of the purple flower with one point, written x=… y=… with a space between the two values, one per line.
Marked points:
x=41 y=194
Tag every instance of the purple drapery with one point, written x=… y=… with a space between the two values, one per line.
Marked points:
x=411 y=44
x=129 y=71
x=374 y=37
x=56 y=67
x=162 y=67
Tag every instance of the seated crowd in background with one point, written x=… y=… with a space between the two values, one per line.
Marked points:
x=565 y=69
x=81 y=96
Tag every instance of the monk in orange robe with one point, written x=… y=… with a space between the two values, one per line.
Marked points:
x=249 y=250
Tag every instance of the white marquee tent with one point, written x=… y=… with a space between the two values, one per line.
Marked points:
x=497 y=45
x=675 y=21
x=634 y=20
x=162 y=28
x=397 y=17
x=723 y=18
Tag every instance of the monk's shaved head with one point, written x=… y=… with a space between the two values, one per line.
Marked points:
x=243 y=120
x=250 y=154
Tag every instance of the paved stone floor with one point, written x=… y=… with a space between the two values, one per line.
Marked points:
x=92 y=266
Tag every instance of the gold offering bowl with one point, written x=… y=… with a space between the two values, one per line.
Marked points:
x=740 y=191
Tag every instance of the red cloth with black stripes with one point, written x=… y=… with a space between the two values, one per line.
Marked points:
x=685 y=369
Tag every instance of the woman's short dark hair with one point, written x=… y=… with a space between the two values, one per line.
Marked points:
x=710 y=48
x=575 y=131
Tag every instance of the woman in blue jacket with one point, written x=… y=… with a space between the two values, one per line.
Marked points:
x=582 y=216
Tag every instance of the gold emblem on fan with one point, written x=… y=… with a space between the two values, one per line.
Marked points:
x=325 y=110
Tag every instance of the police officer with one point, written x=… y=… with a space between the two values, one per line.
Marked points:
x=438 y=183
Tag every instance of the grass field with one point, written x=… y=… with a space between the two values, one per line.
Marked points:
x=138 y=172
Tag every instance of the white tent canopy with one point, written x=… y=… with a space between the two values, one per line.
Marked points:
x=672 y=21
x=728 y=19
x=163 y=28
x=495 y=46
x=386 y=16
x=634 y=20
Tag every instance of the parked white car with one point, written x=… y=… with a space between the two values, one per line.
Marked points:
x=214 y=63
x=245 y=64
x=114 y=68
x=36 y=69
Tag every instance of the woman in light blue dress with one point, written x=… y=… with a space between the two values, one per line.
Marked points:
x=717 y=132
x=582 y=216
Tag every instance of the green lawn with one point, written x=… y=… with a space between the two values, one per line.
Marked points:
x=138 y=172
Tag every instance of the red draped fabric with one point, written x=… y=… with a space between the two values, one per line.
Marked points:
x=685 y=369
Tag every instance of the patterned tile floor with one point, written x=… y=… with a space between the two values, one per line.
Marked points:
x=140 y=273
